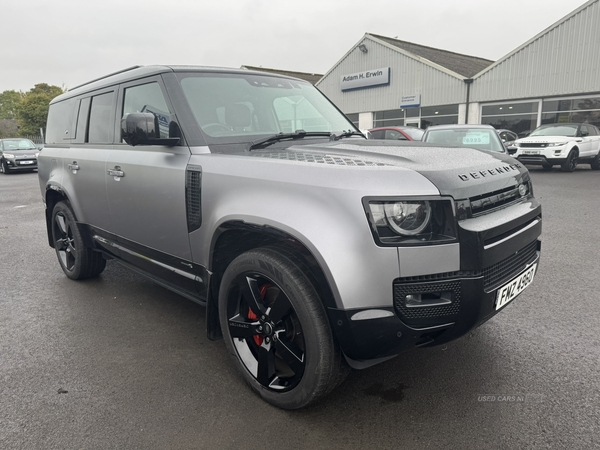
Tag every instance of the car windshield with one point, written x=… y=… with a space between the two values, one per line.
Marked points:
x=235 y=108
x=415 y=133
x=555 y=130
x=18 y=144
x=479 y=138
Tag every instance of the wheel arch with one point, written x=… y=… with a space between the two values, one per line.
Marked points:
x=233 y=238
x=54 y=194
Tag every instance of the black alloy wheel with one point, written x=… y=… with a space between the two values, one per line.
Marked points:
x=571 y=163
x=76 y=260
x=275 y=327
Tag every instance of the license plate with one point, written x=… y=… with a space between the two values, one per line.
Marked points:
x=513 y=288
x=531 y=152
x=25 y=162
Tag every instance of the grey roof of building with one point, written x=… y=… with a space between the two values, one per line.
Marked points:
x=464 y=65
x=310 y=77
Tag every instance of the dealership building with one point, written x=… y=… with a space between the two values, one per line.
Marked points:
x=552 y=78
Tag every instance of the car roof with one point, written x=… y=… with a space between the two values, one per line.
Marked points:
x=394 y=127
x=456 y=126
x=136 y=72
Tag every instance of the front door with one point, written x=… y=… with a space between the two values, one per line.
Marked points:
x=146 y=192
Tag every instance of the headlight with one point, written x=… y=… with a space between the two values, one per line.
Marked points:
x=411 y=221
x=556 y=144
x=8 y=155
x=37 y=154
x=408 y=218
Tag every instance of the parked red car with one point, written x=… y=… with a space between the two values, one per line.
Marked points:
x=397 y=133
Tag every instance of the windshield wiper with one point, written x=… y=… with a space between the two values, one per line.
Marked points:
x=298 y=134
x=343 y=134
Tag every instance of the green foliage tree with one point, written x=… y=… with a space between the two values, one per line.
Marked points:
x=32 y=112
x=9 y=104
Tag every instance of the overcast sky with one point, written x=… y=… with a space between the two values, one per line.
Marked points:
x=69 y=42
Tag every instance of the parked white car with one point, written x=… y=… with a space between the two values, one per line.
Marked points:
x=564 y=144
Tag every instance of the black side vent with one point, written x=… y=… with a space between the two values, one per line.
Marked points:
x=193 y=190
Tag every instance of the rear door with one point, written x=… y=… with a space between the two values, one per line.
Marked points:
x=146 y=190
x=89 y=140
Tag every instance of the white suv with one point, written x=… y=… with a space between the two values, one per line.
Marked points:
x=564 y=144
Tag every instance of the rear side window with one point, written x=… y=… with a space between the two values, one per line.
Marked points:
x=101 y=125
x=62 y=120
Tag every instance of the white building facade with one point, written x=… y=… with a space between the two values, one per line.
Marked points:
x=554 y=77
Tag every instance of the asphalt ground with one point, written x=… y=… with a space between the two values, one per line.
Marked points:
x=120 y=363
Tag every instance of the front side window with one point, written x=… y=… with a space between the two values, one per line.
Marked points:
x=101 y=127
x=236 y=108
x=148 y=98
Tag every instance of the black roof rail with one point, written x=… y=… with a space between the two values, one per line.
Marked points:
x=105 y=76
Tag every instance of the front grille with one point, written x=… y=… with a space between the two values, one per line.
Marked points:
x=422 y=315
x=501 y=272
x=533 y=144
x=494 y=201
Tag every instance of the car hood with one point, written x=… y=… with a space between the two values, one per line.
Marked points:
x=456 y=171
x=29 y=152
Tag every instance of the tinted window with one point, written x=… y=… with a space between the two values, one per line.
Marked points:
x=148 y=98
x=378 y=134
x=101 y=124
x=396 y=135
x=62 y=119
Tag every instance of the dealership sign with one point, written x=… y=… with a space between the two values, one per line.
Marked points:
x=366 y=79
x=409 y=101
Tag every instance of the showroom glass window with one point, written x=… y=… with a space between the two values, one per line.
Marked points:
x=518 y=117
x=573 y=110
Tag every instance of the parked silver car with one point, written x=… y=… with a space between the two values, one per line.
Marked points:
x=311 y=247
x=481 y=137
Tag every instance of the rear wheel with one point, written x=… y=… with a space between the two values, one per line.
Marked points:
x=571 y=163
x=276 y=329
x=76 y=260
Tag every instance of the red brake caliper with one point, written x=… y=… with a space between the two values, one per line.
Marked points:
x=258 y=339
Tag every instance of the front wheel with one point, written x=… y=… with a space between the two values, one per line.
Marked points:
x=76 y=260
x=571 y=163
x=4 y=167
x=595 y=164
x=275 y=327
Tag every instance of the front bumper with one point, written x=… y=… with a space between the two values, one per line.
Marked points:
x=491 y=257
x=15 y=164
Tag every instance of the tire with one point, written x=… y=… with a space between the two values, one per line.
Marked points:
x=276 y=329
x=546 y=166
x=571 y=163
x=4 y=168
x=76 y=260
x=595 y=164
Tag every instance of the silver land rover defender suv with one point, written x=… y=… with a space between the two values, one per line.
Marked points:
x=313 y=248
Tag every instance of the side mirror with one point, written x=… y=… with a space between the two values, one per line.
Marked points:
x=143 y=129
